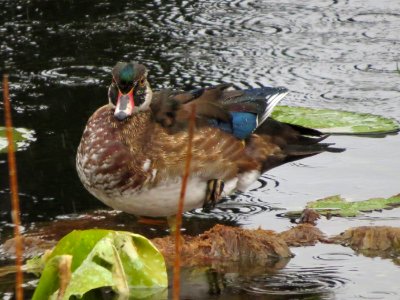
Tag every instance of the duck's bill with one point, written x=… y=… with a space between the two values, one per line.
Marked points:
x=125 y=105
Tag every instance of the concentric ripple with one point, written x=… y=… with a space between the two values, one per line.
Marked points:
x=294 y=281
x=76 y=75
x=378 y=67
x=334 y=256
x=265 y=182
x=232 y=210
x=378 y=295
x=240 y=206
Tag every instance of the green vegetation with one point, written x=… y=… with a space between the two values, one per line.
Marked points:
x=335 y=121
x=337 y=206
x=22 y=138
x=126 y=262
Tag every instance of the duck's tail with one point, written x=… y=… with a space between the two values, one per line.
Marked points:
x=290 y=142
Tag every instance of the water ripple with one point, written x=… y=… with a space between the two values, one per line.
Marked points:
x=378 y=295
x=334 y=256
x=232 y=210
x=265 y=182
x=294 y=281
x=76 y=75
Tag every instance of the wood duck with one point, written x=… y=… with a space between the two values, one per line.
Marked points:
x=133 y=150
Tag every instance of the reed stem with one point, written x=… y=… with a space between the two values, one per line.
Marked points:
x=12 y=171
x=176 y=287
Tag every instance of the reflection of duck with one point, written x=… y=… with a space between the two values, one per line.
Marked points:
x=132 y=153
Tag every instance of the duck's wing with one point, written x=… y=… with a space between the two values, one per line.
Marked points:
x=170 y=107
x=238 y=112
x=260 y=101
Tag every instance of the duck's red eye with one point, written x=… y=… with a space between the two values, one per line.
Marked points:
x=142 y=81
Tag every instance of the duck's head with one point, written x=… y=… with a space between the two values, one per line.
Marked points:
x=129 y=91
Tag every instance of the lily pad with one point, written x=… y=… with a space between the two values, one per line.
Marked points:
x=22 y=138
x=335 y=121
x=337 y=206
x=126 y=262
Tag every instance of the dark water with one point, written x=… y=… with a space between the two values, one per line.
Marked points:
x=333 y=54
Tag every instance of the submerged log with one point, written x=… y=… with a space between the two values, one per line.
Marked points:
x=372 y=240
x=303 y=235
x=225 y=243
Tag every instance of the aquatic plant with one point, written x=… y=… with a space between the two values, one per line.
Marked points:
x=126 y=262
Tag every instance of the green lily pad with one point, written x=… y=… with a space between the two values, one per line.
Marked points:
x=22 y=138
x=337 y=206
x=335 y=121
x=126 y=262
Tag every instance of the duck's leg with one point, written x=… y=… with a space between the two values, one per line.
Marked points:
x=213 y=193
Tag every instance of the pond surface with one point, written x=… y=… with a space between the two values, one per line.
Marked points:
x=329 y=54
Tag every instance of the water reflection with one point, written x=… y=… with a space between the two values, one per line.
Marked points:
x=268 y=282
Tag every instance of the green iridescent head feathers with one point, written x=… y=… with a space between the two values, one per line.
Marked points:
x=128 y=72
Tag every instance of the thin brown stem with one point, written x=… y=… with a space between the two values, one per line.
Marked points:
x=15 y=211
x=176 y=287
x=64 y=274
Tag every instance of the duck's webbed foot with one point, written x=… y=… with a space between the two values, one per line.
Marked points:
x=213 y=193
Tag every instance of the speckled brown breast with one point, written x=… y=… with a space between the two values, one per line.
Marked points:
x=115 y=157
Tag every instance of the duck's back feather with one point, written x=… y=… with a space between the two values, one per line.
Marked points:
x=238 y=112
x=249 y=110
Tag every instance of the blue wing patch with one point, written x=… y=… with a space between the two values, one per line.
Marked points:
x=241 y=126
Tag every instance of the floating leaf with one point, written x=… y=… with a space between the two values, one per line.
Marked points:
x=335 y=121
x=126 y=262
x=337 y=206
x=22 y=138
